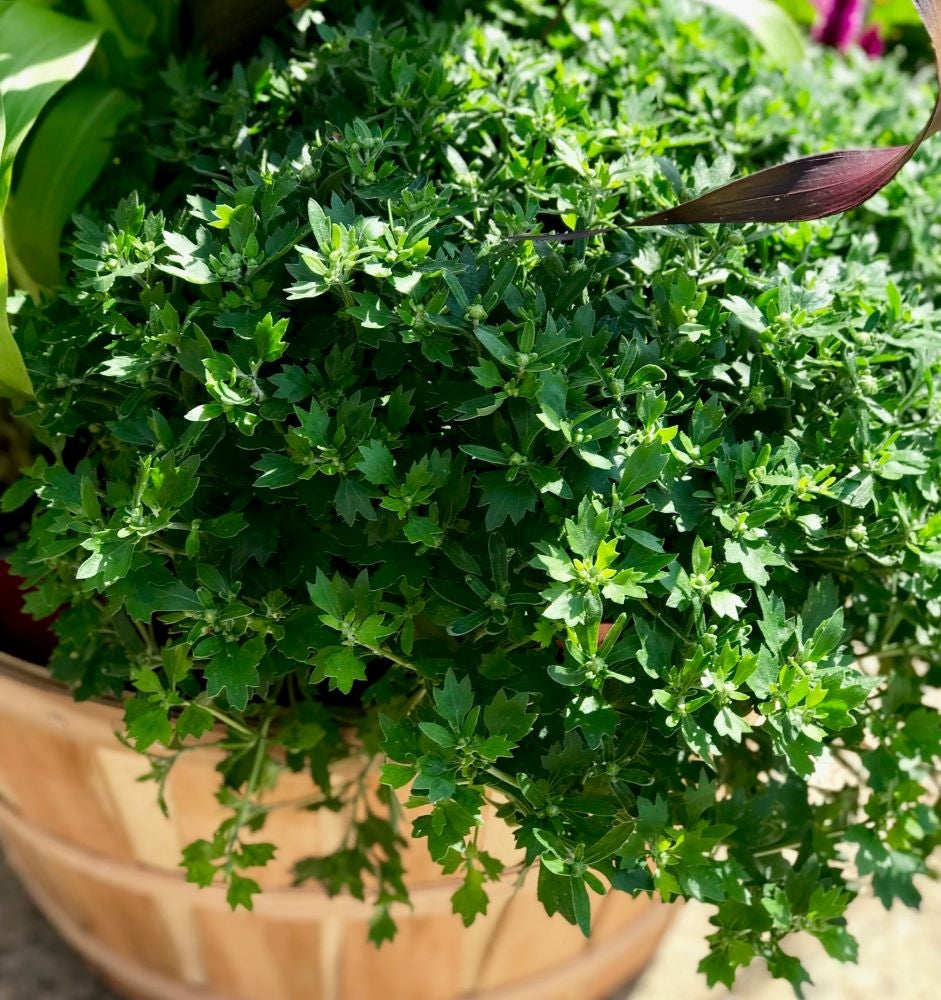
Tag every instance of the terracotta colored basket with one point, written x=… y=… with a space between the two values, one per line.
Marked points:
x=102 y=863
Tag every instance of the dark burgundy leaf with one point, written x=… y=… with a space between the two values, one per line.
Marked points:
x=813 y=186
x=809 y=188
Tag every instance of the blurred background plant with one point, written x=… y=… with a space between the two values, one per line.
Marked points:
x=842 y=23
x=869 y=24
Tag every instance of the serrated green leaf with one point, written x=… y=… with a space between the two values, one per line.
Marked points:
x=454 y=700
x=470 y=900
x=377 y=464
x=234 y=670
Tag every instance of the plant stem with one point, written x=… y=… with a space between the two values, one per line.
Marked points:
x=777 y=848
x=225 y=719
x=389 y=655
x=246 y=801
x=495 y=772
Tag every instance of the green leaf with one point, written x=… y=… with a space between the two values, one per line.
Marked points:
x=513 y=500
x=396 y=775
x=382 y=927
x=731 y=725
x=552 y=394
x=66 y=154
x=234 y=669
x=14 y=496
x=726 y=604
x=320 y=226
x=344 y=667
x=892 y=871
x=251 y=855
x=314 y=421
x=194 y=721
x=750 y=317
x=490 y=455
x=470 y=900
x=827 y=637
x=751 y=559
x=110 y=560
x=443 y=737
x=856 y=490
x=14 y=379
x=838 y=943
x=371 y=311
x=147 y=723
x=610 y=845
x=225 y=526
x=324 y=594
x=587 y=532
x=352 y=500
x=773 y=28
x=377 y=464
x=423 y=531
x=469 y=622
x=508 y=716
x=454 y=700
x=42 y=50
x=701 y=556
x=269 y=338
x=497 y=346
x=787 y=967
x=774 y=624
x=652 y=817
x=565 y=895
x=199 y=861
x=241 y=891
x=642 y=467
x=277 y=471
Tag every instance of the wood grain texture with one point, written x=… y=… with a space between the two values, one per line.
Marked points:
x=101 y=861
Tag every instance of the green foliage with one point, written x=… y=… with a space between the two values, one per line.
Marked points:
x=66 y=156
x=336 y=465
x=73 y=141
x=43 y=51
x=771 y=25
x=99 y=50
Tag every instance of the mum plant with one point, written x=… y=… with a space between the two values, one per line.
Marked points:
x=593 y=533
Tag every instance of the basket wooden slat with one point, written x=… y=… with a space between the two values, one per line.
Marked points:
x=99 y=858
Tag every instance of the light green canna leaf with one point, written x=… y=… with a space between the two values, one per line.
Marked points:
x=14 y=379
x=40 y=51
x=772 y=27
x=71 y=146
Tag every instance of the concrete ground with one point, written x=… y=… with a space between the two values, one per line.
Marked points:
x=901 y=958
x=34 y=963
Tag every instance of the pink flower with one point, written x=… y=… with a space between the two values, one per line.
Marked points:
x=841 y=24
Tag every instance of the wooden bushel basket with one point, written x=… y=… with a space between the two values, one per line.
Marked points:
x=102 y=863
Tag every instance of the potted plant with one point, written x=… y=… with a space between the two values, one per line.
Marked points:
x=451 y=534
